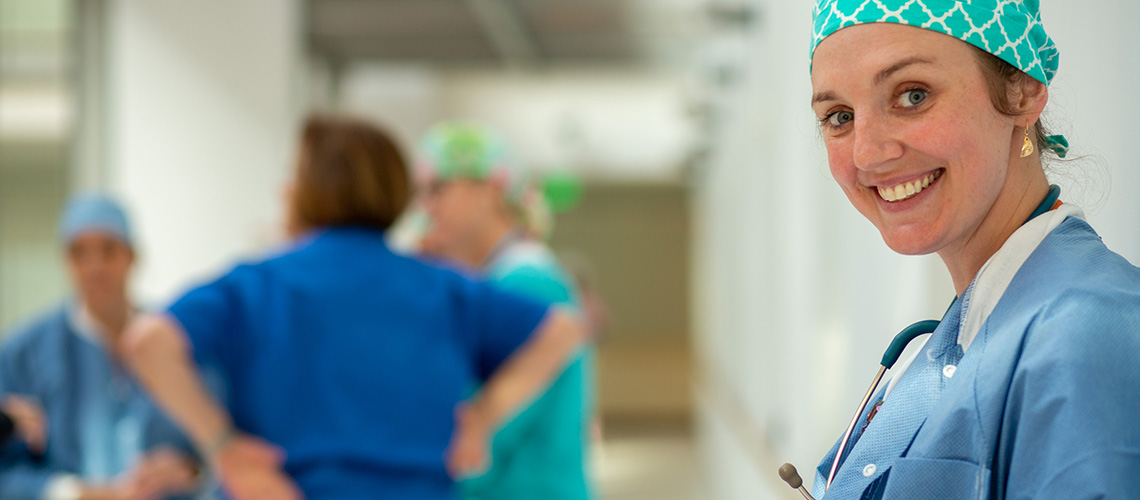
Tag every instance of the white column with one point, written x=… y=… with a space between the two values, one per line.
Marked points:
x=201 y=120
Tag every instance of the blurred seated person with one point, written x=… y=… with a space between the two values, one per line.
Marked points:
x=84 y=430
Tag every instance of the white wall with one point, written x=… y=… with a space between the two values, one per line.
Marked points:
x=1091 y=103
x=796 y=296
x=32 y=191
x=616 y=124
x=201 y=118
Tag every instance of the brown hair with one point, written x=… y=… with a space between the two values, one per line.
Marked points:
x=1002 y=78
x=349 y=173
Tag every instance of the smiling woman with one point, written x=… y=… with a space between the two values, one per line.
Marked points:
x=916 y=107
x=930 y=113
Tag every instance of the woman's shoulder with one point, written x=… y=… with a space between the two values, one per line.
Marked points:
x=1074 y=294
x=1073 y=264
x=1082 y=299
x=48 y=326
x=529 y=258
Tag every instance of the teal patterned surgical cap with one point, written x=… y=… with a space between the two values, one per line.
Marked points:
x=1008 y=29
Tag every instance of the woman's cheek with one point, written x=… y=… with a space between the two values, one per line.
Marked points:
x=840 y=163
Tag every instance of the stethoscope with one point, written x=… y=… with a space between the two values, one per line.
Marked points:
x=898 y=344
x=890 y=357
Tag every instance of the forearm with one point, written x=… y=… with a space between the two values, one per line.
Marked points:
x=160 y=356
x=530 y=370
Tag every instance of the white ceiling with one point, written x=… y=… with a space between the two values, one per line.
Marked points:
x=526 y=32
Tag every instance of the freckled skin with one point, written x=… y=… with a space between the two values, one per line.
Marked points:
x=879 y=136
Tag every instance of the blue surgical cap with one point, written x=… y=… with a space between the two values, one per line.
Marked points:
x=94 y=212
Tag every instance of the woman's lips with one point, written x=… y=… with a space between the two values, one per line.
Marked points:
x=906 y=190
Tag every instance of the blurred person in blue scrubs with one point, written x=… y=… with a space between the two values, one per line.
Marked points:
x=486 y=215
x=86 y=431
x=345 y=363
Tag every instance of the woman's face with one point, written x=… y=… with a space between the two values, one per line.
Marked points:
x=911 y=134
x=459 y=210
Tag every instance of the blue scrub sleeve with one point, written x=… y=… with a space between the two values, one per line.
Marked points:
x=19 y=478
x=210 y=315
x=1075 y=399
x=498 y=323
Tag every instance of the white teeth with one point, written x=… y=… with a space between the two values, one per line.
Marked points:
x=886 y=194
x=907 y=189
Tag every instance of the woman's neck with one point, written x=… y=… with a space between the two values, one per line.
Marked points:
x=487 y=242
x=1010 y=210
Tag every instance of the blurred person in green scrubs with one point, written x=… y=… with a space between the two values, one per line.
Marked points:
x=486 y=215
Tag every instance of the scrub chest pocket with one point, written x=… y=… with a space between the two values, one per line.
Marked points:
x=914 y=478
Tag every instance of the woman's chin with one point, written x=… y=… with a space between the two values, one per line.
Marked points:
x=908 y=242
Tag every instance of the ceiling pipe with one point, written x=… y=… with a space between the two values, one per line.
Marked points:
x=507 y=31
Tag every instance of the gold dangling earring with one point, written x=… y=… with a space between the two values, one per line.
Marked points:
x=1027 y=146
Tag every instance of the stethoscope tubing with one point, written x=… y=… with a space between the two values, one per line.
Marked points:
x=851 y=426
x=898 y=344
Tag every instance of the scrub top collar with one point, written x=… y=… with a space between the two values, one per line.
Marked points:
x=84 y=324
x=514 y=236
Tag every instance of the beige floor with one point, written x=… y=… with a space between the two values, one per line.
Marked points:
x=649 y=462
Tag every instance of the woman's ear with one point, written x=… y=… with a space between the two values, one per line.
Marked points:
x=1031 y=98
x=496 y=190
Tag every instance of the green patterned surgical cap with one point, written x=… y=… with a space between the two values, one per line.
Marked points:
x=466 y=150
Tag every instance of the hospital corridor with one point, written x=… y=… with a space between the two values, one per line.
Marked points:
x=568 y=249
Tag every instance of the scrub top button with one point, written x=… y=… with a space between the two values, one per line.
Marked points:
x=869 y=470
x=949 y=370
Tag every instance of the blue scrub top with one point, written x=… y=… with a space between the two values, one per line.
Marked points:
x=1043 y=405
x=98 y=420
x=353 y=359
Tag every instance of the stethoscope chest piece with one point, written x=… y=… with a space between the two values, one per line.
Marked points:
x=890 y=357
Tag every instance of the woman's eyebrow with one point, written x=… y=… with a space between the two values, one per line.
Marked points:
x=823 y=96
x=879 y=78
x=896 y=67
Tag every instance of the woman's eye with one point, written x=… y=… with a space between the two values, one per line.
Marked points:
x=839 y=118
x=912 y=98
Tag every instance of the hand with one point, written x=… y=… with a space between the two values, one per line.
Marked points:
x=161 y=473
x=29 y=419
x=250 y=469
x=102 y=492
x=469 y=451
